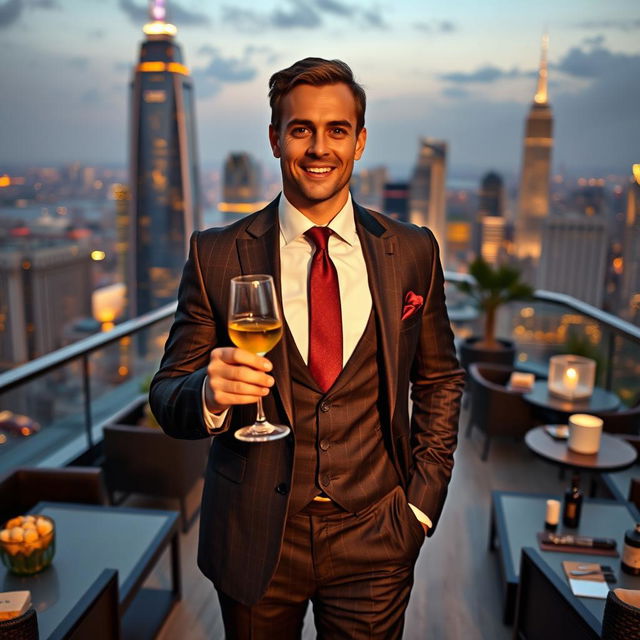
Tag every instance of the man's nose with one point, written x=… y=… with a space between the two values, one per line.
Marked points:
x=317 y=146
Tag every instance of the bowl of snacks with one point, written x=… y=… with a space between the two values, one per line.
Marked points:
x=27 y=544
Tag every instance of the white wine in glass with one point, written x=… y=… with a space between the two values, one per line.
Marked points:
x=255 y=325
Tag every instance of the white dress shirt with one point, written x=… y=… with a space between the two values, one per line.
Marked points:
x=296 y=253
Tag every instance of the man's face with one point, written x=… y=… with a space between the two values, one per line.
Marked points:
x=317 y=144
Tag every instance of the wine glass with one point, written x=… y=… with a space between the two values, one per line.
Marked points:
x=255 y=325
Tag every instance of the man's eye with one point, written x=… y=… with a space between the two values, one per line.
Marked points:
x=298 y=132
x=339 y=131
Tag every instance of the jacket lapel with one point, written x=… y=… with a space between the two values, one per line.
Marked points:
x=378 y=248
x=259 y=252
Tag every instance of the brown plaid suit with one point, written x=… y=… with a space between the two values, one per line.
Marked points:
x=244 y=508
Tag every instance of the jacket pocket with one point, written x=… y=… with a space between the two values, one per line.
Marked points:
x=228 y=463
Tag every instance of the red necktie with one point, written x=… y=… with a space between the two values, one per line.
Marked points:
x=325 y=318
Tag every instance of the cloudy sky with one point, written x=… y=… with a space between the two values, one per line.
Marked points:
x=462 y=71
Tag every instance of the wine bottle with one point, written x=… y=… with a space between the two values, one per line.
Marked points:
x=572 y=504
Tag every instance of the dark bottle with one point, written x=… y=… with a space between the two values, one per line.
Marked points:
x=572 y=504
x=631 y=552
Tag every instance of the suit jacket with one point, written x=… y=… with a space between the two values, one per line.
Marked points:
x=245 y=494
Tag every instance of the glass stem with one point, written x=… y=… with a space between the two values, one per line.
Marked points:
x=260 y=418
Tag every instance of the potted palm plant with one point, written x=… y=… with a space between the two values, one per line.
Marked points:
x=491 y=288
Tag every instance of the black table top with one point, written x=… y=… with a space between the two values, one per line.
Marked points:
x=520 y=516
x=600 y=400
x=89 y=539
x=614 y=455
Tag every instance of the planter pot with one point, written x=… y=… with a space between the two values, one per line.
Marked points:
x=505 y=353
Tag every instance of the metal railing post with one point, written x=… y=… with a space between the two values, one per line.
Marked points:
x=86 y=386
x=611 y=354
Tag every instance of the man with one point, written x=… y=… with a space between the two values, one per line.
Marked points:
x=336 y=512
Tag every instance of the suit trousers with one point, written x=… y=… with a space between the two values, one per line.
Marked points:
x=356 y=569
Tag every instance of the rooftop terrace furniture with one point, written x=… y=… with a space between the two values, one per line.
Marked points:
x=23 y=488
x=621 y=619
x=626 y=421
x=97 y=614
x=145 y=460
x=545 y=608
x=495 y=409
x=24 y=627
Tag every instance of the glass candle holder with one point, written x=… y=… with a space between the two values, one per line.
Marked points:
x=571 y=377
x=27 y=544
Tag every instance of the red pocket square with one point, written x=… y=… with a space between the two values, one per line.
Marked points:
x=412 y=303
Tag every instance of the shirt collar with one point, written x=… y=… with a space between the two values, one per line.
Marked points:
x=294 y=223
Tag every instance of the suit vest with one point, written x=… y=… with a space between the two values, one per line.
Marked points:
x=340 y=446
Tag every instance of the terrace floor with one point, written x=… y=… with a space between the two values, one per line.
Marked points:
x=456 y=593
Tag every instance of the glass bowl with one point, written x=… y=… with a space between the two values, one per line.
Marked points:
x=27 y=544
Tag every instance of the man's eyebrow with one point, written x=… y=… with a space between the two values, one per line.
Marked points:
x=298 y=122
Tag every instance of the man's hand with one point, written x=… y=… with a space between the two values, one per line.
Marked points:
x=236 y=376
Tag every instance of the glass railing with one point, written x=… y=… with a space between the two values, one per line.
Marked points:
x=73 y=392
x=70 y=394
x=553 y=323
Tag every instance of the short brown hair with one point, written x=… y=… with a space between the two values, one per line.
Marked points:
x=316 y=72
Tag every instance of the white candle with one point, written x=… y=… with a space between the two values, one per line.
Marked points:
x=553 y=512
x=584 y=433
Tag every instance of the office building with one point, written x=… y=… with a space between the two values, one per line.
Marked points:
x=490 y=225
x=241 y=184
x=631 y=251
x=164 y=183
x=368 y=185
x=44 y=287
x=574 y=257
x=395 y=200
x=427 y=197
x=533 y=197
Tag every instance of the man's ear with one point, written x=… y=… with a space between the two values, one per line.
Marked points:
x=361 y=142
x=274 y=140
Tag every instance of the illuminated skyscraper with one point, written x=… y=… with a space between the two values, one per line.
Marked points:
x=631 y=255
x=574 y=257
x=489 y=236
x=165 y=199
x=242 y=184
x=533 y=204
x=427 y=199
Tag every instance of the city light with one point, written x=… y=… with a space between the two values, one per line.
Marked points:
x=98 y=255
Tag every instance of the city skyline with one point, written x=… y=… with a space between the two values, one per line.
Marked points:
x=460 y=73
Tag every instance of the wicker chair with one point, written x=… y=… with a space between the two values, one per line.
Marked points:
x=24 y=627
x=495 y=409
x=621 y=619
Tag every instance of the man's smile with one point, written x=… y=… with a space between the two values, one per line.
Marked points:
x=318 y=171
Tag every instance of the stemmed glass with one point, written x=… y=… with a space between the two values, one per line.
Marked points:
x=255 y=325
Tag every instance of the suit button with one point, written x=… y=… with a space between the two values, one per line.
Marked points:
x=282 y=489
x=324 y=406
x=324 y=444
x=325 y=481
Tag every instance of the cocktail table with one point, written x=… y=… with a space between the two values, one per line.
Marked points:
x=90 y=539
x=516 y=518
x=541 y=398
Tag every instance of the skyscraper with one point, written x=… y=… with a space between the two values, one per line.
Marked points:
x=241 y=184
x=165 y=199
x=44 y=287
x=489 y=232
x=427 y=199
x=631 y=255
x=574 y=257
x=533 y=203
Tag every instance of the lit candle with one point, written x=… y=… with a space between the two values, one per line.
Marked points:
x=570 y=379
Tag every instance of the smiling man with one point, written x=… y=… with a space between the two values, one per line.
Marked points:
x=336 y=512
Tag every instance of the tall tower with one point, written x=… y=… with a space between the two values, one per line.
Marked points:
x=428 y=198
x=489 y=236
x=533 y=204
x=164 y=173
